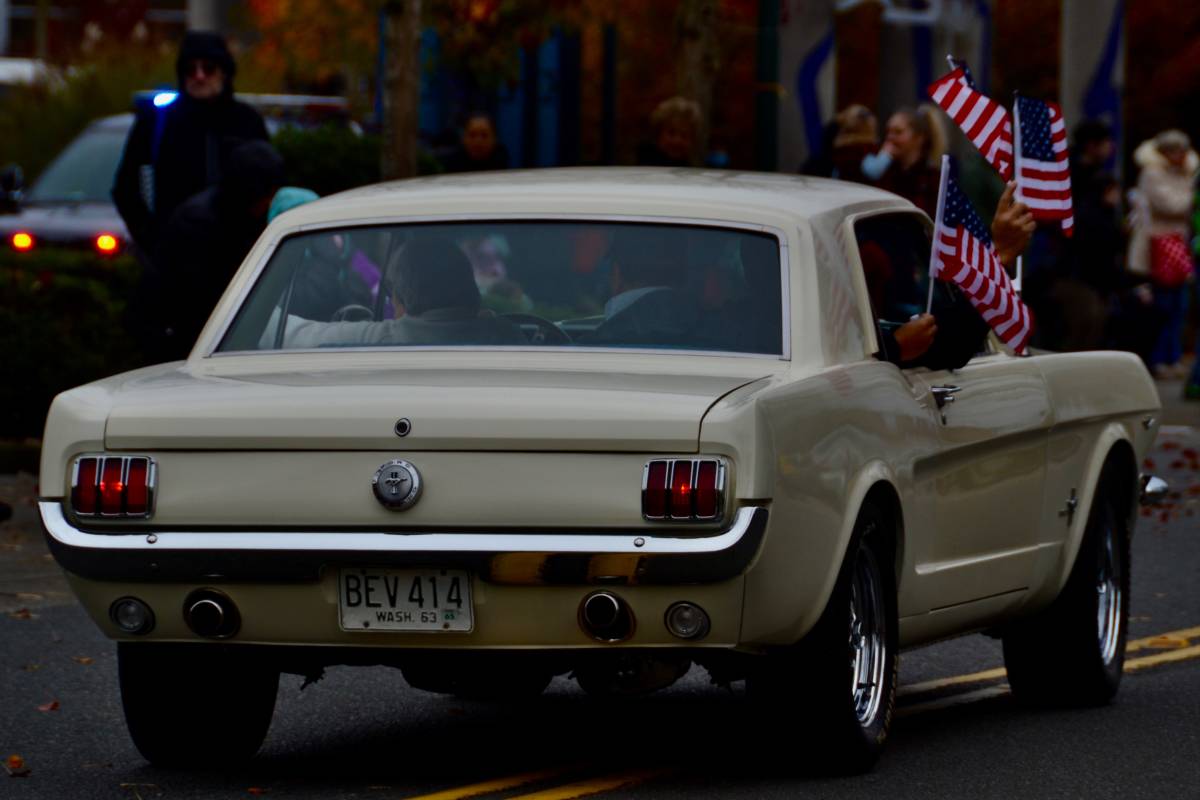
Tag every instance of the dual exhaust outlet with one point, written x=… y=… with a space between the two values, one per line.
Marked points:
x=211 y=614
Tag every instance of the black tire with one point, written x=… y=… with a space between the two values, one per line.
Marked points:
x=196 y=707
x=1064 y=656
x=814 y=682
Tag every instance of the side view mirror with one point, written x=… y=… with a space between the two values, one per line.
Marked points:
x=12 y=183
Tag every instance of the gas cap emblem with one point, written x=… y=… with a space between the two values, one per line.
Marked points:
x=397 y=485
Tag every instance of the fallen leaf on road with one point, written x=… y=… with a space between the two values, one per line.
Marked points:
x=85 y=660
x=31 y=596
x=1167 y=643
x=14 y=765
x=257 y=791
x=51 y=706
x=133 y=787
x=22 y=613
x=1178 y=464
x=1148 y=463
x=1170 y=445
x=31 y=667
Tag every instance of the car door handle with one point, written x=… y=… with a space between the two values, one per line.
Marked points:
x=944 y=394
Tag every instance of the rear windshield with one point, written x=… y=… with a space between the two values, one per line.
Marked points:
x=518 y=284
x=83 y=172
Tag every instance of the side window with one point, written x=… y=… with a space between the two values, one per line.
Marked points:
x=894 y=250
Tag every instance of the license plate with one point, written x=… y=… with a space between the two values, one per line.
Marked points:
x=433 y=600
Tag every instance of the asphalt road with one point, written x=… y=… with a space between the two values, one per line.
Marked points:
x=361 y=732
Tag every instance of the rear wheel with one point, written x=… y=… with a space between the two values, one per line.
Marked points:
x=1073 y=653
x=195 y=706
x=840 y=680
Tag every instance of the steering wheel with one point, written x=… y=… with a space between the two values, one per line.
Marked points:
x=547 y=332
x=352 y=313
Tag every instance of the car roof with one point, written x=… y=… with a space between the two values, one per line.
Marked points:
x=116 y=122
x=599 y=190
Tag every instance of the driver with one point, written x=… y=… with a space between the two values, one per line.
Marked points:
x=648 y=304
x=436 y=301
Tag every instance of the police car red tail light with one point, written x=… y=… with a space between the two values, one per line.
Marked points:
x=22 y=241
x=112 y=486
x=683 y=489
x=106 y=244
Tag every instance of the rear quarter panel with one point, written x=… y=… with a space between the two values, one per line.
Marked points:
x=819 y=444
x=1099 y=401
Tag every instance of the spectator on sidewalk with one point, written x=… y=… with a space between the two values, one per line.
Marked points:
x=478 y=149
x=186 y=144
x=909 y=163
x=1159 y=248
x=207 y=239
x=674 y=126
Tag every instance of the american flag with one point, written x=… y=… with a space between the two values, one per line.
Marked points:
x=965 y=255
x=982 y=119
x=1044 y=170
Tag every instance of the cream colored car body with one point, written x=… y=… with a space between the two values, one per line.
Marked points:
x=534 y=447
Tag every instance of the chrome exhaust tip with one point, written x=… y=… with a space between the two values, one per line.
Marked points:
x=211 y=614
x=606 y=617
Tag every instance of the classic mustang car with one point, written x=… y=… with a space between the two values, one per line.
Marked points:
x=494 y=428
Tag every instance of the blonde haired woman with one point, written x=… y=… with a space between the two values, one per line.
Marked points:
x=909 y=164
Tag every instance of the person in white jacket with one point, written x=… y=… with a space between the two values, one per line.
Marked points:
x=1163 y=206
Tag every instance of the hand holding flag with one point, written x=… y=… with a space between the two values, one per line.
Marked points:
x=1012 y=226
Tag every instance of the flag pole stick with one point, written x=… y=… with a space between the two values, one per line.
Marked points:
x=1017 y=176
x=950 y=61
x=937 y=231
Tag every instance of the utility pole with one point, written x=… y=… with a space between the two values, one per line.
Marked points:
x=205 y=15
x=3 y=27
x=41 y=24
x=401 y=87
x=697 y=62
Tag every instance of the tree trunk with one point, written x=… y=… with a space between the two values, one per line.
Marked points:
x=401 y=87
x=696 y=67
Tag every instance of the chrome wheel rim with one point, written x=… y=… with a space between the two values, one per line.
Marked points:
x=868 y=642
x=1108 y=596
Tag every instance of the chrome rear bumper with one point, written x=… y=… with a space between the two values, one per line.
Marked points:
x=641 y=556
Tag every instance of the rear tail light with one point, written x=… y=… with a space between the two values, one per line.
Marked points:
x=684 y=489
x=106 y=244
x=113 y=486
x=22 y=241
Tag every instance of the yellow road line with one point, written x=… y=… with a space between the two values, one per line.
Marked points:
x=954 y=700
x=941 y=683
x=1184 y=635
x=495 y=785
x=1183 y=654
x=1131 y=665
x=604 y=783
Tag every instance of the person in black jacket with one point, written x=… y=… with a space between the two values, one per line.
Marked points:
x=206 y=240
x=185 y=145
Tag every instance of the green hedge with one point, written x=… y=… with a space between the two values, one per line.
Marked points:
x=60 y=326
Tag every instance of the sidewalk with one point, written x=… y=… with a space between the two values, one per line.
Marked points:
x=1176 y=410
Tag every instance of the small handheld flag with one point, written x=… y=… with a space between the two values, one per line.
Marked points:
x=1043 y=161
x=963 y=254
x=985 y=122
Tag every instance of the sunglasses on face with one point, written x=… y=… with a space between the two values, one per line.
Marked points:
x=201 y=67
